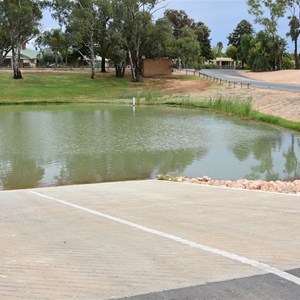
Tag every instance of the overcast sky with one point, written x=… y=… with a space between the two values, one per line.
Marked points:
x=221 y=16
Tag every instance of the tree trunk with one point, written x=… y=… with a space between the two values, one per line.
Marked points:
x=135 y=67
x=103 y=65
x=3 y=55
x=66 y=58
x=137 y=71
x=296 y=55
x=56 y=59
x=120 y=71
x=16 y=66
x=1 y=58
x=93 y=72
x=132 y=66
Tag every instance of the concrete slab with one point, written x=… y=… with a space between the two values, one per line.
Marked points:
x=58 y=243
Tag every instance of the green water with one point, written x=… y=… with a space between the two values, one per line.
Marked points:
x=72 y=144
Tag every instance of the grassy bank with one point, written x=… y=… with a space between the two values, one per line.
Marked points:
x=67 y=87
x=234 y=107
x=61 y=88
x=53 y=86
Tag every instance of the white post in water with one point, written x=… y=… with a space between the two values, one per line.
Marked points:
x=133 y=101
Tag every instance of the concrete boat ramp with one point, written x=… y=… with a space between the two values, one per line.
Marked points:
x=148 y=240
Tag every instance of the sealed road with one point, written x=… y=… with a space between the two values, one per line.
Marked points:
x=236 y=76
x=148 y=240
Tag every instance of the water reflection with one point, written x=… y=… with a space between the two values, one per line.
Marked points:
x=274 y=156
x=20 y=173
x=58 y=145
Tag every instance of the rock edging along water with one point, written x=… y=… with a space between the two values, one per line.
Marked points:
x=288 y=187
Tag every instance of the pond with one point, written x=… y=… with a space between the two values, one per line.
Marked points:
x=72 y=144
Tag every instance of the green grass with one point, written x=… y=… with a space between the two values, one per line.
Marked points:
x=257 y=116
x=62 y=88
x=235 y=107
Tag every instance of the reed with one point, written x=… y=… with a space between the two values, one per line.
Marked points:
x=236 y=107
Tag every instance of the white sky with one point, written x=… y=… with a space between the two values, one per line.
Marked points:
x=221 y=16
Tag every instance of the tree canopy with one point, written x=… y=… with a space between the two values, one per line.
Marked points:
x=125 y=32
x=234 y=50
x=20 y=19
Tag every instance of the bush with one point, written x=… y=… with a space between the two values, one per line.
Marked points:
x=288 y=63
x=208 y=66
x=260 y=64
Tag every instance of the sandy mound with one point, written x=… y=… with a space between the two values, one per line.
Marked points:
x=283 y=76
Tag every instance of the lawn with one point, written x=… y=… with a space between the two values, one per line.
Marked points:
x=64 y=86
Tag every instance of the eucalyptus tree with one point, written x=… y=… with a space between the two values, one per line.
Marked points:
x=187 y=48
x=105 y=15
x=133 y=19
x=117 y=53
x=82 y=19
x=267 y=13
x=179 y=19
x=161 y=39
x=21 y=18
x=55 y=40
x=116 y=38
x=259 y=49
x=294 y=23
x=82 y=25
x=5 y=44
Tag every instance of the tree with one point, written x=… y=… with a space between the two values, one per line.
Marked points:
x=294 y=23
x=82 y=19
x=56 y=41
x=118 y=54
x=105 y=15
x=83 y=23
x=234 y=39
x=231 y=52
x=217 y=50
x=203 y=33
x=22 y=19
x=187 y=49
x=247 y=42
x=160 y=39
x=243 y=27
x=5 y=44
x=133 y=19
x=179 y=20
x=262 y=50
x=267 y=13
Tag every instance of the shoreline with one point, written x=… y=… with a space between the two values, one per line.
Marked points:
x=278 y=186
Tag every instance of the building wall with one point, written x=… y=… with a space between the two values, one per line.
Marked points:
x=156 y=67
